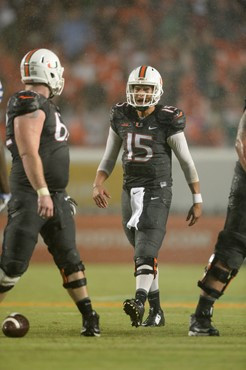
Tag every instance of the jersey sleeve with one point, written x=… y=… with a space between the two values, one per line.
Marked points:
x=25 y=102
x=111 y=117
x=177 y=123
x=116 y=114
x=174 y=118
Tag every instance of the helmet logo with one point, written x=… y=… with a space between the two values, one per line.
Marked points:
x=142 y=71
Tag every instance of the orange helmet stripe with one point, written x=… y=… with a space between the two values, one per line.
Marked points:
x=142 y=71
x=26 y=63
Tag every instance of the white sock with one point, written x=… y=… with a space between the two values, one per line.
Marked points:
x=144 y=282
x=155 y=282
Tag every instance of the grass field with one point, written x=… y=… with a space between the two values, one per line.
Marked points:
x=53 y=341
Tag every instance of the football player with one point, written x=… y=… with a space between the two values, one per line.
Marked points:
x=37 y=139
x=230 y=249
x=4 y=184
x=148 y=133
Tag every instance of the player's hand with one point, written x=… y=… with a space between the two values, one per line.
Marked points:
x=4 y=198
x=100 y=196
x=194 y=213
x=45 y=206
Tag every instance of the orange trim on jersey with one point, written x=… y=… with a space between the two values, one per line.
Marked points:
x=26 y=62
x=25 y=97
x=180 y=114
x=142 y=71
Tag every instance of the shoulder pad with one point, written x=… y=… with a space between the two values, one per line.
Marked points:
x=25 y=102
x=174 y=116
x=119 y=110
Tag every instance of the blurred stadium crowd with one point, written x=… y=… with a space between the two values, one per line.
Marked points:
x=197 y=45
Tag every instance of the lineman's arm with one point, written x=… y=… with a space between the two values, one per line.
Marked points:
x=240 y=143
x=28 y=128
x=180 y=148
x=4 y=184
x=105 y=168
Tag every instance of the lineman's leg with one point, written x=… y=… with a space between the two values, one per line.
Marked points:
x=230 y=252
x=223 y=266
x=59 y=235
x=20 y=238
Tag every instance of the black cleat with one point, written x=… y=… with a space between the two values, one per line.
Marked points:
x=155 y=318
x=135 y=309
x=90 y=326
x=201 y=327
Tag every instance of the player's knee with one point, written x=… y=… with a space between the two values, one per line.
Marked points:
x=7 y=282
x=69 y=270
x=216 y=271
x=145 y=266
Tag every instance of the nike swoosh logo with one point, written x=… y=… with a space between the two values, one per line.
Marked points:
x=135 y=192
x=153 y=198
x=152 y=128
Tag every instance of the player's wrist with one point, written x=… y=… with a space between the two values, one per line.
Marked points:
x=197 y=198
x=43 y=191
x=96 y=186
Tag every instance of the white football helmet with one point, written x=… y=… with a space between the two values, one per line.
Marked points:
x=144 y=75
x=43 y=66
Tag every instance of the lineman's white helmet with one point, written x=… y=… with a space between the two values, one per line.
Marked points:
x=144 y=75
x=44 y=67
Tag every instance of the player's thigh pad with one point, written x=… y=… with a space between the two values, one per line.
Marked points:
x=59 y=235
x=20 y=234
x=152 y=223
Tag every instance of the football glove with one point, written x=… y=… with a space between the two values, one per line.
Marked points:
x=73 y=204
x=4 y=198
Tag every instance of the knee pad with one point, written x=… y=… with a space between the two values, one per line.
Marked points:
x=68 y=270
x=219 y=274
x=71 y=268
x=75 y=284
x=145 y=266
x=7 y=282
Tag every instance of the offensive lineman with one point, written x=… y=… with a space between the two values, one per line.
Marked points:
x=4 y=185
x=37 y=140
x=230 y=249
x=148 y=132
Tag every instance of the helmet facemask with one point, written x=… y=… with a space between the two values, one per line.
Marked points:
x=145 y=76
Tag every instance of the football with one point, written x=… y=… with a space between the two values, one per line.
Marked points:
x=15 y=325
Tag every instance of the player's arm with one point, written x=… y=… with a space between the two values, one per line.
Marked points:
x=4 y=184
x=28 y=128
x=105 y=168
x=240 y=143
x=179 y=145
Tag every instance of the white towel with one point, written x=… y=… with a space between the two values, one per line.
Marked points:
x=137 y=195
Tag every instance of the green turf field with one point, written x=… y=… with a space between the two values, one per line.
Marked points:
x=53 y=341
